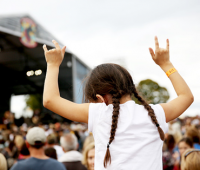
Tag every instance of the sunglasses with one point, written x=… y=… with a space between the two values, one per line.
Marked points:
x=195 y=150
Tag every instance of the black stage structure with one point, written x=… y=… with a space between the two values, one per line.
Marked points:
x=23 y=65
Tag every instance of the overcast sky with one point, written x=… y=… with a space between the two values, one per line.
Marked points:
x=100 y=31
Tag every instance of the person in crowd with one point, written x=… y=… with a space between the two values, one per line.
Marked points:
x=10 y=152
x=89 y=139
x=190 y=160
x=3 y=163
x=52 y=142
x=35 y=141
x=51 y=152
x=184 y=144
x=72 y=158
x=119 y=125
x=89 y=156
x=194 y=134
x=168 y=160
x=19 y=141
x=23 y=153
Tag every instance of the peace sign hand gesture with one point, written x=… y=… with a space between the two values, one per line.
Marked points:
x=54 y=56
x=161 y=55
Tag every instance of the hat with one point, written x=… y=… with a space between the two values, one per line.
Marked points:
x=36 y=134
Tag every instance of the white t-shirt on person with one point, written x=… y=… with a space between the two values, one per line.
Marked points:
x=137 y=144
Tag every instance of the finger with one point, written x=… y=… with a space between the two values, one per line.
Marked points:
x=52 y=49
x=56 y=45
x=167 y=47
x=156 y=43
x=63 y=50
x=45 y=48
x=151 y=52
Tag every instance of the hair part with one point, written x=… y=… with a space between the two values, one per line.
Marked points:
x=24 y=150
x=170 y=142
x=89 y=139
x=51 y=139
x=37 y=145
x=114 y=80
x=51 y=152
x=191 y=161
x=69 y=142
x=193 y=133
x=3 y=162
x=85 y=153
x=187 y=140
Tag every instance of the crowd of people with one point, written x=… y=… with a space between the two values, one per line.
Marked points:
x=183 y=136
x=69 y=144
x=126 y=135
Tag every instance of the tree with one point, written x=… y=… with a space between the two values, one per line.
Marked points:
x=152 y=92
x=34 y=101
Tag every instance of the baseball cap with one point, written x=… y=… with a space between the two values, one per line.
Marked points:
x=36 y=134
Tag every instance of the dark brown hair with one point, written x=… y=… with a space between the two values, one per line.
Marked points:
x=187 y=140
x=114 y=80
x=50 y=152
x=193 y=133
x=170 y=142
x=38 y=145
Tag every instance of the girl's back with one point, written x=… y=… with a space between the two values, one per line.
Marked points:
x=137 y=143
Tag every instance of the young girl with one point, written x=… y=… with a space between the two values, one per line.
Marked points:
x=88 y=156
x=127 y=135
x=184 y=144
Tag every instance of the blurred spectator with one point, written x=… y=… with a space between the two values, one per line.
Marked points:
x=89 y=156
x=13 y=133
x=89 y=139
x=51 y=152
x=3 y=163
x=190 y=160
x=19 y=141
x=6 y=119
x=194 y=134
x=168 y=159
x=35 y=142
x=10 y=152
x=52 y=142
x=24 y=153
x=184 y=144
x=72 y=158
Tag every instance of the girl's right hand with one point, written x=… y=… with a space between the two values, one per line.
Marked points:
x=161 y=55
x=54 y=56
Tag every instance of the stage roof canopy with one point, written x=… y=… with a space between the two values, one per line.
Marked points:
x=22 y=61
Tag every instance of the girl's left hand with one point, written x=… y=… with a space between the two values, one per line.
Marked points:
x=54 y=56
x=161 y=55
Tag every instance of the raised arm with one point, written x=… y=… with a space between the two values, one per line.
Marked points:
x=51 y=95
x=176 y=107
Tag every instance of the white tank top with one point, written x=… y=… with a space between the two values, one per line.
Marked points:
x=137 y=144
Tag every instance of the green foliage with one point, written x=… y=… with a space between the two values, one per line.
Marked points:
x=34 y=101
x=152 y=92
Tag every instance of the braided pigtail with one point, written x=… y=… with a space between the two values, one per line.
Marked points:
x=116 y=107
x=150 y=112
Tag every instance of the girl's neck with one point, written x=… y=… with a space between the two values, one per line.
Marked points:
x=125 y=98
x=108 y=99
